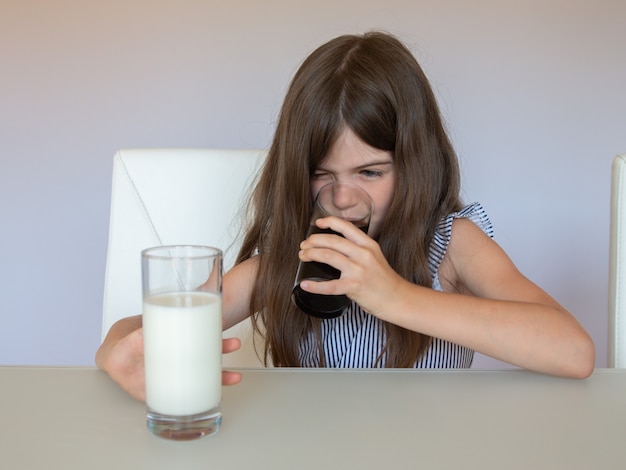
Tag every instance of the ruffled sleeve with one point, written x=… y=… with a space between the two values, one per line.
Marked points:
x=439 y=245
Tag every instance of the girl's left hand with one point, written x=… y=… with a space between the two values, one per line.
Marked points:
x=366 y=277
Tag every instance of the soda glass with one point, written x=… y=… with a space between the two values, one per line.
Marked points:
x=341 y=199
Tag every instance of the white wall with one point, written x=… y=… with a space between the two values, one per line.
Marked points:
x=533 y=93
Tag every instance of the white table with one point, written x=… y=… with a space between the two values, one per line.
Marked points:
x=76 y=418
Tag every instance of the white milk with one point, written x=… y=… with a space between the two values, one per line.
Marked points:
x=183 y=352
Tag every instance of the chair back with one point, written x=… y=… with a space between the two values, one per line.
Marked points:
x=617 y=266
x=173 y=197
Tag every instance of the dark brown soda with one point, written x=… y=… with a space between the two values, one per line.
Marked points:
x=319 y=305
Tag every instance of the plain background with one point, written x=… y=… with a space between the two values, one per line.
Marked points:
x=533 y=94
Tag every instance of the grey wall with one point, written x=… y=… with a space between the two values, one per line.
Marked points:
x=533 y=93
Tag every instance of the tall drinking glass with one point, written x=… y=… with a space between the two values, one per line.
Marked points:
x=350 y=202
x=182 y=331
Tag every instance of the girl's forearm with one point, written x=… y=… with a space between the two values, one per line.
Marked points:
x=535 y=336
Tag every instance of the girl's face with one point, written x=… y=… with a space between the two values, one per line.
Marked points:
x=353 y=161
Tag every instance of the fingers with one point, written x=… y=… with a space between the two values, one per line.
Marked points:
x=349 y=240
x=323 y=287
x=357 y=256
x=344 y=227
x=333 y=250
x=230 y=345
x=230 y=378
x=350 y=259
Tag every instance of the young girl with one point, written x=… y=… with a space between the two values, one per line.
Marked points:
x=428 y=286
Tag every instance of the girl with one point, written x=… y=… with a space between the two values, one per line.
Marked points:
x=427 y=289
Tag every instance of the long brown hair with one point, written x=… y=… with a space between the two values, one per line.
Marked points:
x=373 y=84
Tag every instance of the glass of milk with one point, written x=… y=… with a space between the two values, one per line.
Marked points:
x=182 y=332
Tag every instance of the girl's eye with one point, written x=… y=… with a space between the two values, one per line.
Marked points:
x=371 y=173
x=317 y=176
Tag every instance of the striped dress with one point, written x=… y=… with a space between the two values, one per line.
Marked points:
x=355 y=339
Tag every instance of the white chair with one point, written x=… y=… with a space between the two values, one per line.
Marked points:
x=617 y=266
x=169 y=197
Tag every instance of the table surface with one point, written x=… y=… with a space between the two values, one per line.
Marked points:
x=73 y=418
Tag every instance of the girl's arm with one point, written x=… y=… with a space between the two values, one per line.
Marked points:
x=121 y=352
x=236 y=291
x=488 y=306
x=494 y=309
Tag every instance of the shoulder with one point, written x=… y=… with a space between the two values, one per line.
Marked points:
x=474 y=262
x=466 y=238
x=473 y=216
x=474 y=213
x=467 y=246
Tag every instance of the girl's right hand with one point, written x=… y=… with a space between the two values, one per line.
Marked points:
x=122 y=359
x=121 y=356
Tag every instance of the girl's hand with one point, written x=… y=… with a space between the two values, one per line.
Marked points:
x=230 y=345
x=121 y=356
x=123 y=361
x=366 y=277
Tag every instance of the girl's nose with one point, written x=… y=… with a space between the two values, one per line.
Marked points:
x=345 y=197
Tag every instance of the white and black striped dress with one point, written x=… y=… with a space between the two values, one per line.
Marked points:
x=355 y=339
